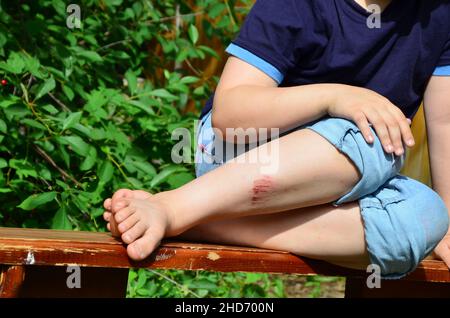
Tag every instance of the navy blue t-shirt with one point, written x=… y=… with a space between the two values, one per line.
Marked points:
x=299 y=42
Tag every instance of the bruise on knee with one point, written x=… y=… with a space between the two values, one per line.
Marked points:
x=262 y=189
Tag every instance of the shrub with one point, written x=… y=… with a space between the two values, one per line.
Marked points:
x=87 y=111
x=84 y=112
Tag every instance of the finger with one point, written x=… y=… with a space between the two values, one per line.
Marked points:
x=363 y=125
x=124 y=213
x=405 y=128
x=143 y=247
x=128 y=223
x=107 y=216
x=108 y=226
x=134 y=233
x=107 y=204
x=394 y=133
x=407 y=134
x=382 y=131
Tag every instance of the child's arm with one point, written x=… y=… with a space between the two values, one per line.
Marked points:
x=248 y=98
x=437 y=113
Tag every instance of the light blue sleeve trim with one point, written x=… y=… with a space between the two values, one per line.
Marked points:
x=256 y=61
x=442 y=71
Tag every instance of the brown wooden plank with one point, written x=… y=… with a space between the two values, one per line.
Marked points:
x=11 y=280
x=60 y=248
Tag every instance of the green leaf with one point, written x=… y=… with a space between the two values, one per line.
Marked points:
x=23 y=168
x=60 y=220
x=96 y=101
x=189 y=80
x=32 y=65
x=164 y=174
x=177 y=180
x=163 y=93
x=68 y=92
x=145 y=167
x=105 y=172
x=33 y=123
x=193 y=33
x=90 y=56
x=71 y=120
x=77 y=144
x=25 y=92
x=3 y=126
x=35 y=200
x=11 y=100
x=253 y=291
x=132 y=81
x=48 y=86
x=3 y=163
x=50 y=109
x=14 y=64
x=89 y=162
x=142 y=106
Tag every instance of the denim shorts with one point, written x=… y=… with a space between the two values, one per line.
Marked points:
x=403 y=219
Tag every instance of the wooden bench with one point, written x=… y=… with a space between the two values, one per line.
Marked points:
x=33 y=263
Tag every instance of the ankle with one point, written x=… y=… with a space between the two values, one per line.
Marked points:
x=174 y=222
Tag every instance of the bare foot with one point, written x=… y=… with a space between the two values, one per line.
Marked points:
x=143 y=220
x=108 y=203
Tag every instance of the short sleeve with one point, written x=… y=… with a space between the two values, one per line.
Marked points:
x=443 y=68
x=268 y=37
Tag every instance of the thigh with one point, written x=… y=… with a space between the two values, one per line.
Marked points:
x=325 y=232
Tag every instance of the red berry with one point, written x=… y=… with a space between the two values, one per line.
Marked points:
x=4 y=82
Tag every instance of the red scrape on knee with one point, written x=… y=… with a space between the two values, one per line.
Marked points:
x=261 y=188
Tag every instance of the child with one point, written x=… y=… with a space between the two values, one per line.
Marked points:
x=342 y=94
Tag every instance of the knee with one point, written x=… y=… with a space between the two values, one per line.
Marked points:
x=434 y=219
x=410 y=222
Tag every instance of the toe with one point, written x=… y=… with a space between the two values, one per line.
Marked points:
x=122 y=194
x=119 y=205
x=134 y=233
x=107 y=204
x=143 y=247
x=128 y=223
x=106 y=216
x=123 y=214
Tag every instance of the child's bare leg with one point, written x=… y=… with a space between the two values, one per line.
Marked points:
x=304 y=178
x=322 y=232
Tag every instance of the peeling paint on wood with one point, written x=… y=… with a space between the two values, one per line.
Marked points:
x=163 y=257
x=30 y=258
x=213 y=256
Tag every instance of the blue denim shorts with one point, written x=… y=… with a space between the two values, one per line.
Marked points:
x=403 y=219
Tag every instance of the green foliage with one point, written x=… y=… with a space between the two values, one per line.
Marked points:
x=177 y=284
x=88 y=111
x=315 y=283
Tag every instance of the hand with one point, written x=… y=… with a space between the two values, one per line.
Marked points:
x=442 y=251
x=364 y=107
